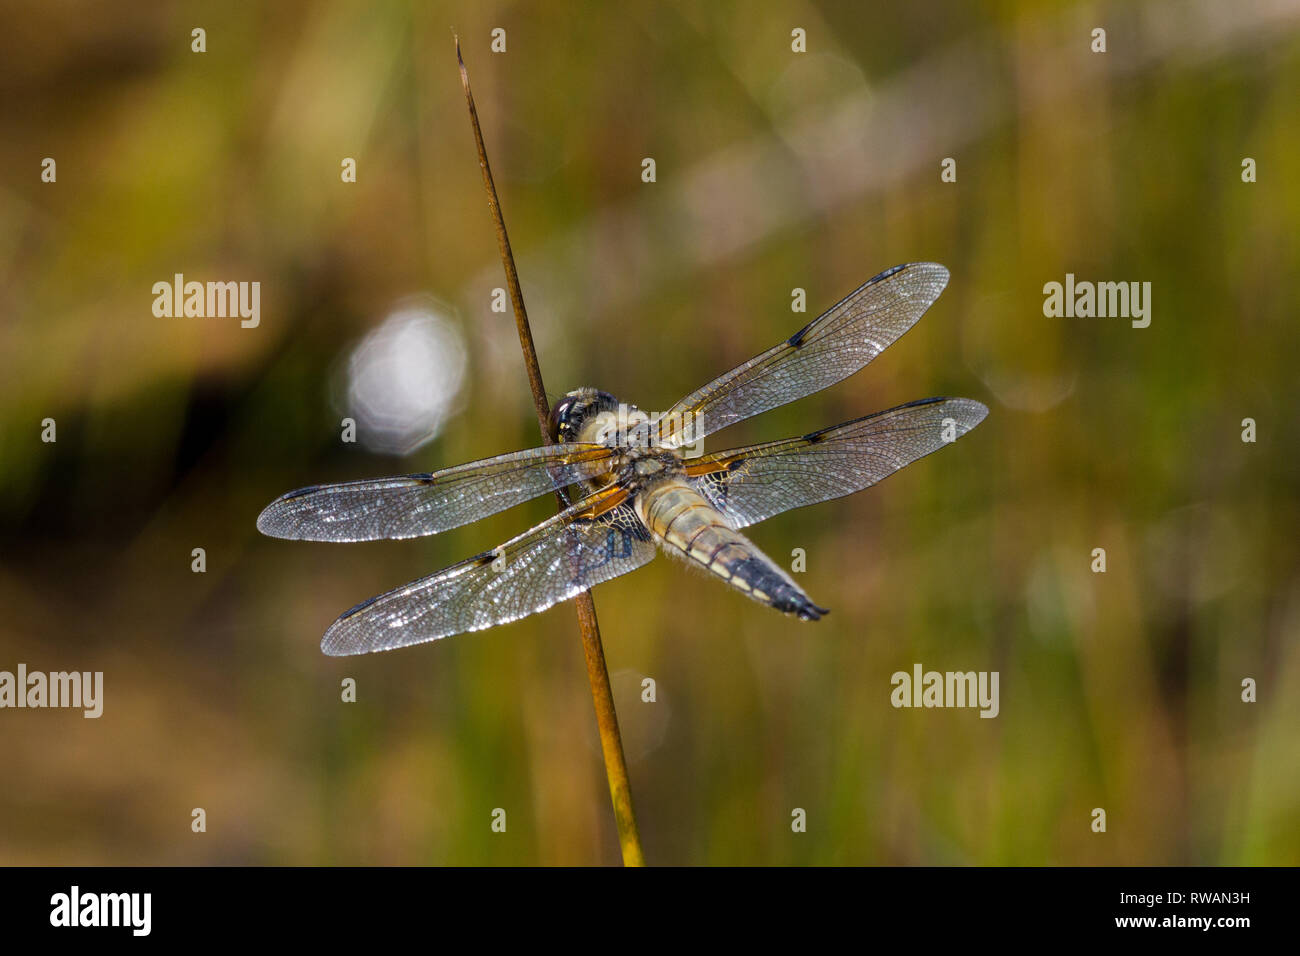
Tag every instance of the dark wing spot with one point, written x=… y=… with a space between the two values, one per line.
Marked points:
x=358 y=608
x=300 y=492
x=796 y=340
x=887 y=273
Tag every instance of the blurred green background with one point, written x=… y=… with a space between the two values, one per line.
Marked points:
x=775 y=170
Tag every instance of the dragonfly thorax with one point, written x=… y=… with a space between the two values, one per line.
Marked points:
x=641 y=467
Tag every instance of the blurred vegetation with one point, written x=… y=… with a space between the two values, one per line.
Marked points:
x=775 y=170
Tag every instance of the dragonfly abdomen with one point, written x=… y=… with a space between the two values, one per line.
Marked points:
x=683 y=521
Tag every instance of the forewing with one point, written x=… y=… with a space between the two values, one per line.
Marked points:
x=414 y=505
x=827 y=350
x=751 y=484
x=561 y=557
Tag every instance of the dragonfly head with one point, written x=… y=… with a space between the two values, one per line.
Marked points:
x=576 y=411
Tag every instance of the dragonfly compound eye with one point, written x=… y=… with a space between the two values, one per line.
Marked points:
x=560 y=426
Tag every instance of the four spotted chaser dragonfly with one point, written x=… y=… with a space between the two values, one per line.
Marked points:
x=633 y=486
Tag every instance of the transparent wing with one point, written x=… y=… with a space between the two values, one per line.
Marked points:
x=751 y=484
x=594 y=540
x=827 y=350
x=415 y=505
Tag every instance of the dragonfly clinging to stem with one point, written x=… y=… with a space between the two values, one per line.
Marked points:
x=634 y=485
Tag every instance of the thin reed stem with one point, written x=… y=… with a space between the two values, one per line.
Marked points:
x=611 y=742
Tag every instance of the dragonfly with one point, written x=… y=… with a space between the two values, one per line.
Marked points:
x=634 y=485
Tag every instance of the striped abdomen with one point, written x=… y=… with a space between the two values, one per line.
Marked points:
x=684 y=521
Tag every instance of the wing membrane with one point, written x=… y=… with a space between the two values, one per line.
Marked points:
x=415 y=505
x=561 y=557
x=827 y=350
x=751 y=484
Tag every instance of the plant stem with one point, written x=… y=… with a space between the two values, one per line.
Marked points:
x=611 y=742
